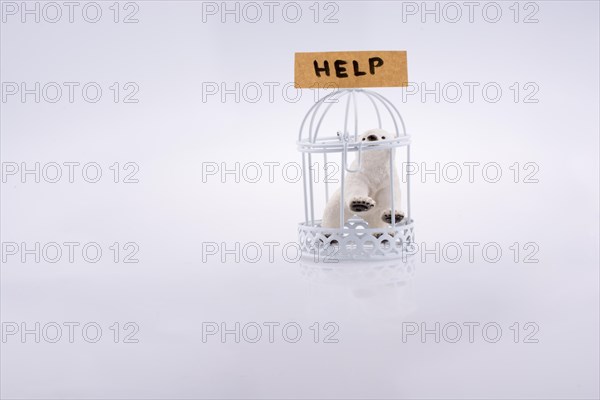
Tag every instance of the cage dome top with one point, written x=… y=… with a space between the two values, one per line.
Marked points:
x=331 y=125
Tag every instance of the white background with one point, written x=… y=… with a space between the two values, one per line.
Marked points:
x=171 y=53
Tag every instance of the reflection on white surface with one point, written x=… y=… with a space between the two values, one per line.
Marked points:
x=378 y=289
x=369 y=303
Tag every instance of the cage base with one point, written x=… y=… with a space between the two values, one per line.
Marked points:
x=356 y=241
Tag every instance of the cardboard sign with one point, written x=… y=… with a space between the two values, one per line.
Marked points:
x=350 y=69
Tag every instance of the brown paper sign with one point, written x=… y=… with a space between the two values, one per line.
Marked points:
x=350 y=69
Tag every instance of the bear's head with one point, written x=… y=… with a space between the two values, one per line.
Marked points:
x=374 y=135
x=372 y=138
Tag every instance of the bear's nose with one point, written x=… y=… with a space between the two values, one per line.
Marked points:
x=371 y=138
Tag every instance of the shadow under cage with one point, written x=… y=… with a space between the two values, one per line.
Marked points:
x=337 y=117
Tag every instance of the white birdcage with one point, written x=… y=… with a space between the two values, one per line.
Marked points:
x=353 y=239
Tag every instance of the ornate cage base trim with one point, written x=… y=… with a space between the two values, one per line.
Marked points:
x=356 y=241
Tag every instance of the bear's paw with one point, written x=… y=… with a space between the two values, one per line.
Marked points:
x=387 y=216
x=361 y=204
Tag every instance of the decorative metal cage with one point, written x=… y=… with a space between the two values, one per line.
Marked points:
x=353 y=239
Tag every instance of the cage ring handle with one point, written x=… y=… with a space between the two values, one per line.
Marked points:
x=345 y=139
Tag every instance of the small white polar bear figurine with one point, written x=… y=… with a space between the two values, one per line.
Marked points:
x=367 y=191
